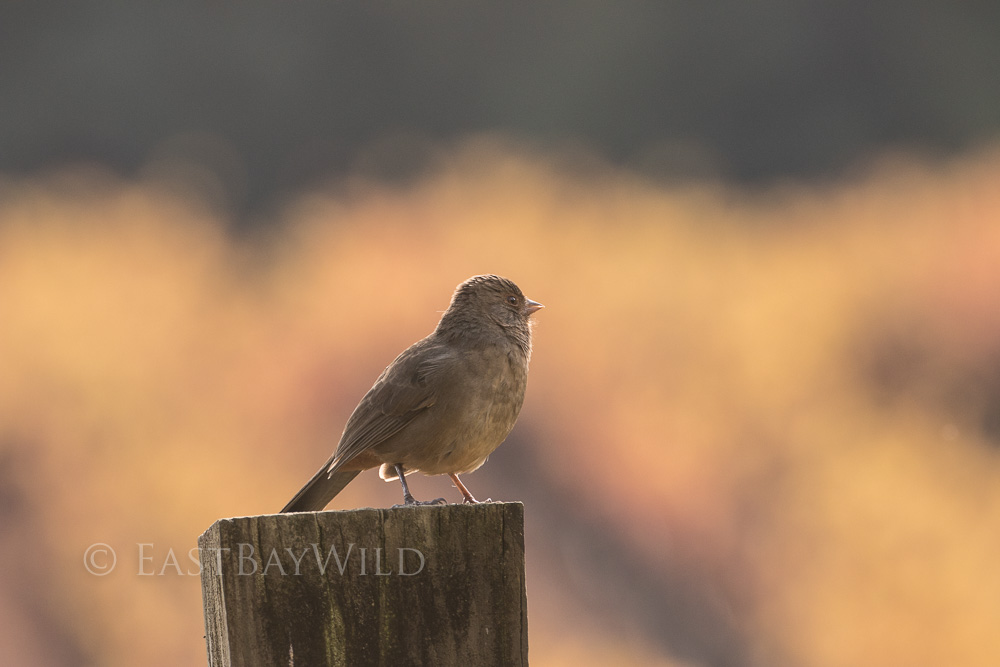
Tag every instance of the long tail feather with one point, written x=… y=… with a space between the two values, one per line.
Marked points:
x=320 y=490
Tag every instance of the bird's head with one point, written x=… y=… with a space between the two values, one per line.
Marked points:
x=484 y=302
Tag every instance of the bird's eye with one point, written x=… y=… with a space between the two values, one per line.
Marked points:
x=512 y=300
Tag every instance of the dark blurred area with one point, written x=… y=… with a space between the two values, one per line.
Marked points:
x=270 y=97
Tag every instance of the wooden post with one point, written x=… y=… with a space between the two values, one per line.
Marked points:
x=432 y=585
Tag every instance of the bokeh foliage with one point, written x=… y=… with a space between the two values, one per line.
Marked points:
x=760 y=428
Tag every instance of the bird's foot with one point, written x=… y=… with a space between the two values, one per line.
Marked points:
x=410 y=501
x=471 y=500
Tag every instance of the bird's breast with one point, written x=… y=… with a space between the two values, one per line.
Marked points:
x=491 y=398
x=474 y=412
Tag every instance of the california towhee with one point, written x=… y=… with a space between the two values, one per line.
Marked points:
x=445 y=403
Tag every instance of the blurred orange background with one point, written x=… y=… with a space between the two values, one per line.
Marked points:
x=761 y=428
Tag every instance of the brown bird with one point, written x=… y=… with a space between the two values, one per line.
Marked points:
x=444 y=404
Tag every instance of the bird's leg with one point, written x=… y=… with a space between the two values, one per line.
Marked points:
x=469 y=498
x=408 y=499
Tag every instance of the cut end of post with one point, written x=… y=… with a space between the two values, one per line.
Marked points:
x=426 y=584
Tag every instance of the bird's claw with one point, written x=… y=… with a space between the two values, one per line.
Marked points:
x=410 y=501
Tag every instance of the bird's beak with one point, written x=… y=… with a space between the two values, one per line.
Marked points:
x=531 y=306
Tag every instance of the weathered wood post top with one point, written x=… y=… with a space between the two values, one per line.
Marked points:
x=429 y=585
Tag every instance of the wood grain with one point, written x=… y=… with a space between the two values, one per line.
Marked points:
x=431 y=585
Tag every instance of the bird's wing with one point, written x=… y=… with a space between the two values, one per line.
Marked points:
x=403 y=391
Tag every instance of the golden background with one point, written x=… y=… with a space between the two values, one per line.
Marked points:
x=761 y=428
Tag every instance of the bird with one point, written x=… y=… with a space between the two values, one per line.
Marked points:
x=444 y=404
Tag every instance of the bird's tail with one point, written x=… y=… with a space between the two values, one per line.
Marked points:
x=320 y=490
